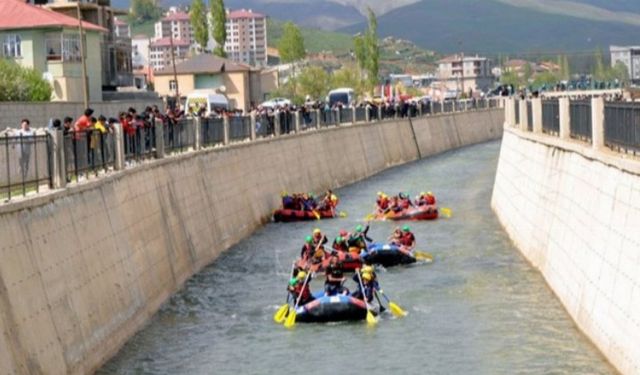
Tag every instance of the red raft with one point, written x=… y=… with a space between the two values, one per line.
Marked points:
x=350 y=262
x=286 y=215
x=427 y=212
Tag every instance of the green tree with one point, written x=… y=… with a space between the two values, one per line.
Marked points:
x=219 y=26
x=291 y=44
x=545 y=79
x=360 y=52
x=198 y=15
x=565 y=69
x=528 y=72
x=144 y=11
x=18 y=84
x=510 y=78
x=620 y=72
x=600 y=70
x=348 y=76
x=313 y=81
x=373 y=50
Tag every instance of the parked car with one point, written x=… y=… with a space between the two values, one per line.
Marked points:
x=276 y=102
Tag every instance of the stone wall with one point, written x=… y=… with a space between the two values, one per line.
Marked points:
x=574 y=212
x=84 y=268
x=39 y=113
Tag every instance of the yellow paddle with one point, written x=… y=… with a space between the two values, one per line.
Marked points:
x=371 y=320
x=281 y=314
x=395 y=309
x=423 y=255
x=316 y=214
x=446 y=212
x=342 y=214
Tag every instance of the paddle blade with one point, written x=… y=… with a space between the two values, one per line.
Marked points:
x=397 y=310
x=369 y=217
x=423 y=256
x=316 y=214
x=281 y=314
x=371 y=319
x=446 y=212
x=343 y=214
x=290 y=322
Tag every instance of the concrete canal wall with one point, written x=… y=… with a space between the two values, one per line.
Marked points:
x=574 y=212
x=81 y=270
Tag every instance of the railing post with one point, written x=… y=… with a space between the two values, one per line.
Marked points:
x=338 y=116
x=419 y=106
x=118 y=146
x=380 y=112
x=536 y=115
x=159 y=126
x=276 y=123
x=225 y=130
x=565 y=118
x=509 y=112
x=197 y=133
x=354 y=117
x=317 y=124
x=58 y=167
x=296 y=121
x=367 y=113
x=252 y=132
x=597 y=125
x=442 y=106
x=524 y=118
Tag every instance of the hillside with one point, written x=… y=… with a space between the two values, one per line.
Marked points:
x=315 y=40
x=493 y=27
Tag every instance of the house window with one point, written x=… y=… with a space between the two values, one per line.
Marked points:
x=172 y=85
x=11 y=46
x=63 y=47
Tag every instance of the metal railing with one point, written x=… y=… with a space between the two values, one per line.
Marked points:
x=622 y=127
x=87 y=152
x=328 y=117
x=580 y=124
x=550 y=117
x=346 y=115
x=287 y=122
x=529 y=116
x=265 y=125
x=361 y=114
x=27 y=164
x=239 y=128
x=178 y=135
x=308 y=119
x=212 y=131
x=139 y=141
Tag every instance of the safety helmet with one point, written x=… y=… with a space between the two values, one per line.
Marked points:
x=308 y=239
x=317 y=231
x=359 y=228
x=339 y=239
x=301 y=275
x=367 y=276
x=284 y=194
x=422 y=194
x=293 y=281
x=310 y=195
x=343 y=233
x=429 y=193
x=380 y=194
x=406 y=228
x=367 y=269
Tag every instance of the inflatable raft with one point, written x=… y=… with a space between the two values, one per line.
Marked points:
x=387 y=255
x=412 y=213
x=286 y=215
x=331 y=309
x=350 y=261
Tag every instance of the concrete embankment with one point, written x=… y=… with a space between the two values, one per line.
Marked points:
x=575 y=214
x=83 y=269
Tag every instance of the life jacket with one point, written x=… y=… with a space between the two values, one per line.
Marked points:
x=306 y=292
x=383 y=203
x=405 y=204
x=307 y=251
x=407 y=239
x=341 y=246
x=287 y=202
x=430 y=199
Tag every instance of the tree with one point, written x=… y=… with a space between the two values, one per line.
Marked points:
x=620 y=72
x=313 y=81
x=291 y=44
x=348 y=77
x=510 y=78
x=547 y=79
x=144 y=11
x=528 y=72
x=219 y=26
x=373 y=50
x=198 y=15
x=360 y=52
x=18 y=84
x=600 y=70
x=565 y=69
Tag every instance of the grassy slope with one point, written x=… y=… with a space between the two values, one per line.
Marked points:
x=146 y=28
x=315 y=40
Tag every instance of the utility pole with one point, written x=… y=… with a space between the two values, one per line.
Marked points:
x=85 y=83
x=175 y=73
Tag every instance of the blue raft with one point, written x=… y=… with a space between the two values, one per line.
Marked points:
x=386 y=255
x=331 y=309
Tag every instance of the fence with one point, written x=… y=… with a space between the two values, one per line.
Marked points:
x=580 y=120
x=31 y=162
x=550 y=117
x=622 y=126
x=529 y=116
x=26 y=162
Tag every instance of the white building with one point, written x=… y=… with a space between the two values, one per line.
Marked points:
x=246 y=37
x=121 y=28
x=630 y=57
x=140 y=51
x=464 y=74
x=160 y=52
x=176 y=23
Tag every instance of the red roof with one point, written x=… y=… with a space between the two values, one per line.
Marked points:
x=16 y=14
x=244 y=14
x=166 y=42
x=119 y=22
x=177 y=16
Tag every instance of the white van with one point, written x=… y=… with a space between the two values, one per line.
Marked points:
x=212 y=101
x=346 y=96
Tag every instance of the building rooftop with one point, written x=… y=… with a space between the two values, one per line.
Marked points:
x=16 y=14
x=205 y=63
x=166 y=42
x=243 y=13
x=177 y=16
x=460 y=58
x=118 y=22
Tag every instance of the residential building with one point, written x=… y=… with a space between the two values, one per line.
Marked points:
x=242 y=84
x=160 y=52
x=121 y=28
x=49 y=42
x=464 y=74
x=116 y=50
x=518 y=67
x=246 y=37
x=176 y=24
x=140 y=54
x=630 y=57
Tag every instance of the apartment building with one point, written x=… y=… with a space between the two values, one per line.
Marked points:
x=160 y=52
x=246 y=37
x=176 y=24
x=630 y=57
x=463 y=74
